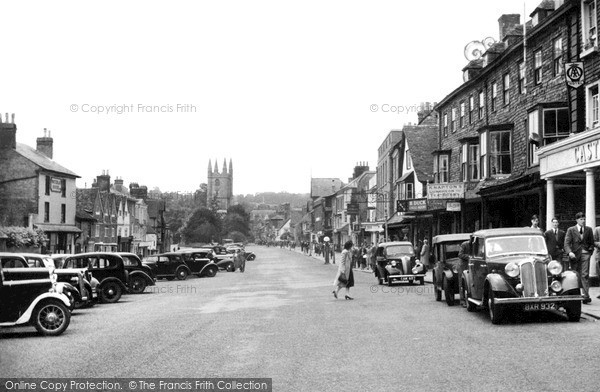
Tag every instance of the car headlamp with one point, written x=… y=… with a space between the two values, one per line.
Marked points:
x=512 y=270
x=556 y=286
x=554 y=267
x=417 y=268
x=393 y=263
x=455 y=269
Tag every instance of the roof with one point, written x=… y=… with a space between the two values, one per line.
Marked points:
x=422 y=140
x=450 y=237
x=42 y=160
x=506 y=231
x=324 y=186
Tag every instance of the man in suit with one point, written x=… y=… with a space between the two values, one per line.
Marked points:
x=597 y=244
x=555 y=242
x=579 y=244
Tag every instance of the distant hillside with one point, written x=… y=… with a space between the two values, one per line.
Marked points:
x=276 y=198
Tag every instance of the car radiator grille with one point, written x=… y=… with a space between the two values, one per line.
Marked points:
x=534 y=278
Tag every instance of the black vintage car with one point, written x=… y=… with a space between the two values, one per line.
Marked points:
x=200 y=262
x=32 y=296
x=447 y=266
x=396 y=263
x=108 y=268
x=140 y=275
x=220 y=256
x=510 y=270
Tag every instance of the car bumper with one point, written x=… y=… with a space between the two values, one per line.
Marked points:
x=526 y=300
x=405 y=278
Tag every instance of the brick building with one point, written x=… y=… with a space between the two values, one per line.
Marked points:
x=35 y=191
x=492 y=125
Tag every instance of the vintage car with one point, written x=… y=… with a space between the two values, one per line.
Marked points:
x=140 y=274
x=32 y=296
x=108 y=268
x=168 y=265
x=510 y=270
x=81 y=279
x=200 y=262
x=447 y=267
x=396 y=263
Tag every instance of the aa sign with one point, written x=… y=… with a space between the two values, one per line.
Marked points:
x=574 y=74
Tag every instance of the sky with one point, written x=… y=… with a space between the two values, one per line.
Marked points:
x=288 y=90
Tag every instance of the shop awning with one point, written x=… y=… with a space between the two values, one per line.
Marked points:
x=58 y=228
x=398 y=219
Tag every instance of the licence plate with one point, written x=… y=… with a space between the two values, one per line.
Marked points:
x=405 y=279
x=540 y=306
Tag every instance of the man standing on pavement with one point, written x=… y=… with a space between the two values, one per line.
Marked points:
x=579 y=244
x=463 y=255
x=597 y=244
x=555 y=242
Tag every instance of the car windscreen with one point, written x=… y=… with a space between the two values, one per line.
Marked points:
x=527 y=244
x=399 y=250
x=452 y=250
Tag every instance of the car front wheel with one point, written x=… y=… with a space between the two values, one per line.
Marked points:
x=51 y=318
x=211 y=272
x=138 y=285
x=182 y=274
x=496 y=311
x=110 y=292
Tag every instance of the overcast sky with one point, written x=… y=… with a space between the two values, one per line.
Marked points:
x=283 y=88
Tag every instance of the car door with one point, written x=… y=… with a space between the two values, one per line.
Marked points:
x=477 y=267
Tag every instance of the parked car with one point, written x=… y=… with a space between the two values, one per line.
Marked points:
x=510 y=269
x=235 y=248
x=200 y=262
x=220 y=256
x=168 y=265
x=32 y=296
x=140 y=275
x=396 y=263
x=81 y=279
x=108 y=268
x=447 y=266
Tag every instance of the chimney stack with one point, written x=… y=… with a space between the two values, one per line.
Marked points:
x=119 y=185
x=44 y=144
x=103 y=181
x=506 y=23
x=8 y=133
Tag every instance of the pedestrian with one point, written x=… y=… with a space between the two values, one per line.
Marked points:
x=326 y=252
x=579 y=244
x=373 y=257
x=535 y=222
x=463 y=254
x=425 y=253
x=597 y=244
x=555 y=242
x=344 y=268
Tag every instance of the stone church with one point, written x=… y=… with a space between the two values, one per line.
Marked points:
x=220 y=186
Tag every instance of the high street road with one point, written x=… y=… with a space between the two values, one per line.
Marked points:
x=279 y=320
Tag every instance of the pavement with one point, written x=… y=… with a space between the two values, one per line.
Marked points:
x=592 y=309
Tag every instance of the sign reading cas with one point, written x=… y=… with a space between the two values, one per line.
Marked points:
x=574 y=74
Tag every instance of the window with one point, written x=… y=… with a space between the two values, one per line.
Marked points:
x=409 y=191
x=97 y=231
x=481 y=104
x=483 y=154
x=445 y=124
x=494 y=95
x=106 y=231
x=471 y=108
x=522 y=77
x=464 y=156
x=556 y=124
x=557 y=56
x=63 y=187
x=537 y=66
x=408 y=160
x=63 y=213
x=47 y=185
x=453 y=123
x=46 y=212
x=533 y=135
x=462 y=114
x=593 y=118
x=506 y=89
x=500 y=156
x=588 y=10
x=442 y=169
x=473 y=162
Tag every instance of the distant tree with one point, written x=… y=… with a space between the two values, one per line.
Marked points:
x=237 y=220
x=236 y=236
x=204 y=225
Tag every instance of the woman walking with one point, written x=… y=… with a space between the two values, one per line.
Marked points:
x=345 y=268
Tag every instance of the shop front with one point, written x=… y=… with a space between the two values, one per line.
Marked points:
x=570 y=168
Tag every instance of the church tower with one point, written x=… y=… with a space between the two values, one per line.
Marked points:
x=220 y=185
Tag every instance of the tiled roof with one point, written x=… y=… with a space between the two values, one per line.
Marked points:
x=42 y=160
x=324 y=186
x=422 y=141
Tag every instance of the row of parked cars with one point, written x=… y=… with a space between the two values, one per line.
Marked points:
x=505 y=271
x=43 y=290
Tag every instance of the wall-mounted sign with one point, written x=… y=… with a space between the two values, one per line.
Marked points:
x=451 y=190
x=453 y=206
x=352 y=208
x=417 y=205
x=574 y=74
x=56 y=184
x=436 y=204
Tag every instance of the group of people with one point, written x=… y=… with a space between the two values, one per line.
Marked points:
x=573 y=248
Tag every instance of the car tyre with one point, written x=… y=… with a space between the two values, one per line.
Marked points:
x=110 y=292
x=51 y=318
x=470 y=305
x=230 y=268
x=137 y=285
x=573 y=310
x=211 y=272
x=496 y=311
x=251 y=257
x=81 y=304
x=448 y=293
x=182 y=274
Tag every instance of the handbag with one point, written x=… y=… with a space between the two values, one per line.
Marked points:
x=342 y=278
